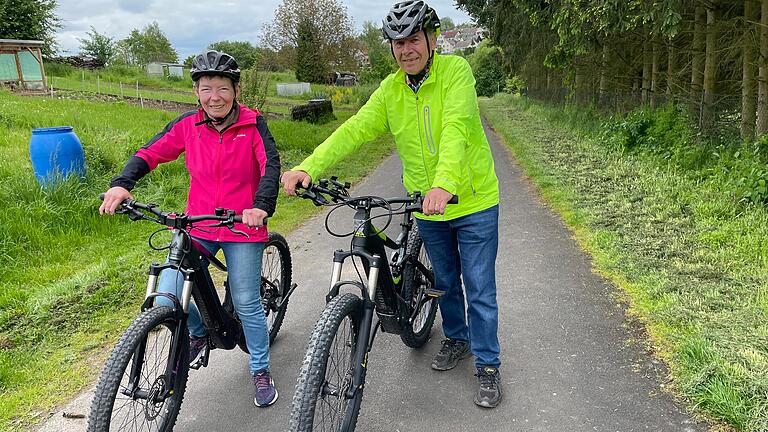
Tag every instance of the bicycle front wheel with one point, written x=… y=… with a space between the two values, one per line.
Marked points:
x=418 y=318
x=153 y=401
x=275 y=282
x=320 y=402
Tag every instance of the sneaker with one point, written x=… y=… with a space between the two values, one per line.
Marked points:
x=489 y=393
x=196 y=348
x=450 y=353
x=266 y=393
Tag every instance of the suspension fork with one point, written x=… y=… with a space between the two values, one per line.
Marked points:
x=180 y=316
x=367 y=334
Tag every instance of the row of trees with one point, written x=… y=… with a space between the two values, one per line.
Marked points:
x=313 y=37
x=713 y=54
x=140 y=47
x=30 y=19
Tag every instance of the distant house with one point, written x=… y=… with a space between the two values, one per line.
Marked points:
x=451 y=41
x=160 y=69
x=21 y=64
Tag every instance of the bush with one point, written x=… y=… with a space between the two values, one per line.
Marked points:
x=663 y=131
x=487 y=66
x=743 y=172
x=254 y=85
x=514 y=85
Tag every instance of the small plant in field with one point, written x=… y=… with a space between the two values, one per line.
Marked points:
x=254 y=85
x=341 y=95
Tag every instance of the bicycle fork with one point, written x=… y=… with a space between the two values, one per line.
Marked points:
x=161 y=391
x=367 y=330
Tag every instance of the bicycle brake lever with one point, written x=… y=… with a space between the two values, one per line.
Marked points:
x=317 y=199
x=235 y=231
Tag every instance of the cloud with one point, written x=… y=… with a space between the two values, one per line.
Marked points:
x=135 y=6
x=192 y=25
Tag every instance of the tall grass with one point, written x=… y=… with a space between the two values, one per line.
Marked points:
x=662 y=222
x=71 y=279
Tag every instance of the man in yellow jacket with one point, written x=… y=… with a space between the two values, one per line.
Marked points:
x=430 y=106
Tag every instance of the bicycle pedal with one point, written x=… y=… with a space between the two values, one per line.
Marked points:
x=434 y=293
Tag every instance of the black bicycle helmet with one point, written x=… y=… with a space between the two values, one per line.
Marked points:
x=215 y=63
x=408 y=18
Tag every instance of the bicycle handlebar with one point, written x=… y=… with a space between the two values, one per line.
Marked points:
x=338 y=193
x=136 y=211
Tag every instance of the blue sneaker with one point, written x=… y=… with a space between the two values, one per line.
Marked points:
x=266 y=393
x=196 y=348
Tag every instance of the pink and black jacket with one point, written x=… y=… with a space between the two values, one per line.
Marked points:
x=237 y=168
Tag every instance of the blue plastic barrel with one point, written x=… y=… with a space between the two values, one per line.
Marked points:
x=56 y=152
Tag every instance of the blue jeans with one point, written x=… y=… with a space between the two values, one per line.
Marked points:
x=470 y=243
x=244 y=274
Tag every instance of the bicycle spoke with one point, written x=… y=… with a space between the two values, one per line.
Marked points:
x=145 y=413
x=338 y=379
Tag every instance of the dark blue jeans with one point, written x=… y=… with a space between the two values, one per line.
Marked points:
x=469 y=243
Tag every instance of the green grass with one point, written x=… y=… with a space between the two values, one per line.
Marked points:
x=127 y=89
x=692 y=260
x=123 y=81
x=71 y=279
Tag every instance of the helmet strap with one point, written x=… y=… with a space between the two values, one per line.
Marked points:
x=216 y=120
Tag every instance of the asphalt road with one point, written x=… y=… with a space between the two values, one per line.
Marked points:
x=571 y=359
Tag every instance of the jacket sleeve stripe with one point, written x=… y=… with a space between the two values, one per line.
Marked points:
x=168 y=127
x=266 y=195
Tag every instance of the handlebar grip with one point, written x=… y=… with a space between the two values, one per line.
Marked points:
x=101 y=196
x=454 y=200
x=239 y=219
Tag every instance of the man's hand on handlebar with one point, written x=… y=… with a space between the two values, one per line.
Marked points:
x=113 y=198
x=292 y=178
x=435 y=201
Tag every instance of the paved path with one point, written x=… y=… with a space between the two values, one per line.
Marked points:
x=572 y=361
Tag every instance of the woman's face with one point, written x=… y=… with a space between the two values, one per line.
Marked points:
x=216 y=95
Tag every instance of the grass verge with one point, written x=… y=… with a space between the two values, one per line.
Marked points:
x=693 y=263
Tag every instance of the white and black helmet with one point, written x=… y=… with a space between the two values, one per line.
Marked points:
x=408 y=18
x=215 y=63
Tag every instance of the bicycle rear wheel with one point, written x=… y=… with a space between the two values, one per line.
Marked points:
x=416 y=282
x=275 y=282
x=320 y=402
x=147 y=344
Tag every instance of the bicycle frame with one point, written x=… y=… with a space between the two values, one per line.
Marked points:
x=370 y=245
x=186 y=255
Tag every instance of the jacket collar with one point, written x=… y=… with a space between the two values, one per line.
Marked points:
x=433 y=70
x=242 y=115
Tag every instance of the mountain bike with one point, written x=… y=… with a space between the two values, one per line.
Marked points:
x=143 y=382
x=397 y=297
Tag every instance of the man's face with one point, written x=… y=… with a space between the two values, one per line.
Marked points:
x=216 y=95
x=412 y=52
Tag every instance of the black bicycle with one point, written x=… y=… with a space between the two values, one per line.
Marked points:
x=142 y=384
x=400 y=294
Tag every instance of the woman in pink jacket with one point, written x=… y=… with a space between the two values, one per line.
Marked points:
x=233 y=163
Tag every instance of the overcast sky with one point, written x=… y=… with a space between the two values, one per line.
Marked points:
x=191 y=25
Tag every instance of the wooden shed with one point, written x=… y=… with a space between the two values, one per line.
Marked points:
x=21 y=64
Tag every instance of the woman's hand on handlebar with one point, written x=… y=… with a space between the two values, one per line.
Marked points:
x=113 y=198
x=291 y=179
x=435 y=201
x=254 y=217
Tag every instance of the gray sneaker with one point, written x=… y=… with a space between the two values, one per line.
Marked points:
x=450 y=353
x=489 y=391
